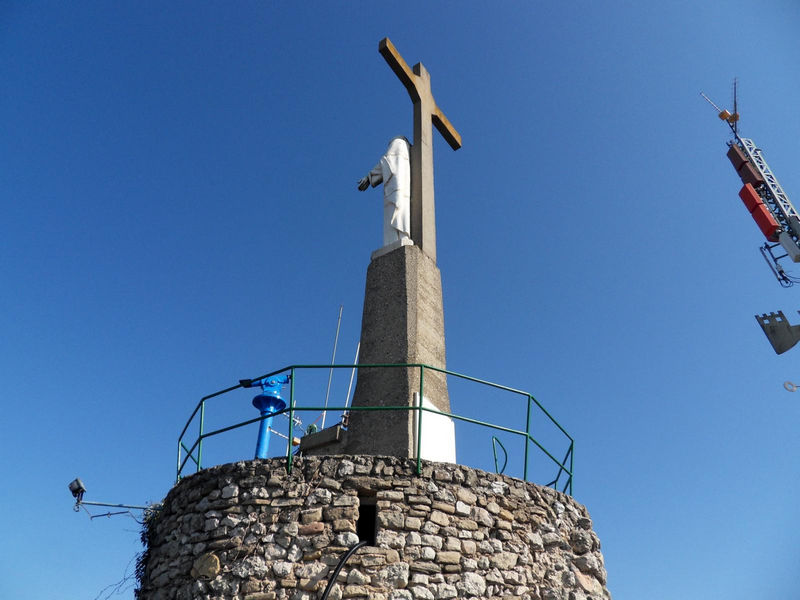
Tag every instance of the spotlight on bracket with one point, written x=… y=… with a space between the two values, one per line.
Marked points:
x=78 y=490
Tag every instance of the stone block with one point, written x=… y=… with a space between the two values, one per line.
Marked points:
x=506 y=515
x=439 y=518
x=346 y=499
x=282 y=569
x=344 y=525
x=471 y=584
x=443 y=474
x=434 y=541
x=394 y=576
x=206 y=566
x=503 y=560
x=503 y=525
x=420 y=500
x=467 y=525
x=452 y=543
x=580 y=541
x=419 y=592
x=230 y=491
x=444 y=507
x=552 y=539
x=342 y=512
x=462 y=509
x=448 y=557
x=311 y=515
x=425 y=567
x=391 y=495
x=430 y=527
x=391 y=519
x=466 y=496
x=261 y=596
x=468 y=547
x=355 y=591
x=444 y=591
x=495 y=576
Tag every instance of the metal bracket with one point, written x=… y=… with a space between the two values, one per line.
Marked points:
x=775 y=266
x=779 y=332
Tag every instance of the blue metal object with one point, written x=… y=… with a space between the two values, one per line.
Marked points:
x=268 y=402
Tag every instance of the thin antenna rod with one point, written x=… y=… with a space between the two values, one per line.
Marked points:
x=352 y=373
x=711 y=102
x=724 y=114
x=333 y=362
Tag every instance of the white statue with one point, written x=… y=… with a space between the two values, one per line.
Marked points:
x=394 y=170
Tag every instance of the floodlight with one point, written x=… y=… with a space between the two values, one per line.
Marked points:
x=78 y=490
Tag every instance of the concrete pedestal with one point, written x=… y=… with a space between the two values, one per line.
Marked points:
x=403 y=322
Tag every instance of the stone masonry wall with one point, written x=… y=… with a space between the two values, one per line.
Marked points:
x=250 y=531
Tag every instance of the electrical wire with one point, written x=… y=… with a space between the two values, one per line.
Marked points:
x=338 y=568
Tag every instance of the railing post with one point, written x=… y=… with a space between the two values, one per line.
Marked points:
x=571 y=467
x=291 y=422
x=419 y=418
x=527 y=439
x=200 y=443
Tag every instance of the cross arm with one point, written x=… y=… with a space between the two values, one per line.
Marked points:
x=446 y=129
x=409 y=79
x=400 y=67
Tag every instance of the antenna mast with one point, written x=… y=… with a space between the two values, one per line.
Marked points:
x=763 y=196
x=774 y=214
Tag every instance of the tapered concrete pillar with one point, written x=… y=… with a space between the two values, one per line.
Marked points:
x=403 y=322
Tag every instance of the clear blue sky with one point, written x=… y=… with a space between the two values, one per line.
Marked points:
x=180 y=211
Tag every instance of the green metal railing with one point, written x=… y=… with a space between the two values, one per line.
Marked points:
x=194 y=452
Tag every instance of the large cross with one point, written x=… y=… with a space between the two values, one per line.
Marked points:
x=418 y=84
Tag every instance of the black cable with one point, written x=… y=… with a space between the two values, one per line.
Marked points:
x=338 y=568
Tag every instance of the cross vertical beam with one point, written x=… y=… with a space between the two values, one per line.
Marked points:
x=417 y=82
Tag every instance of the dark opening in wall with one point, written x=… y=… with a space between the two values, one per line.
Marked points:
x=366 y=526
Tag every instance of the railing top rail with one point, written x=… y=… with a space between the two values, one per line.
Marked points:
x=382 y=365
x=247 y=383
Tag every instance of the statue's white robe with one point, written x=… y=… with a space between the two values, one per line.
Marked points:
x=394 y=170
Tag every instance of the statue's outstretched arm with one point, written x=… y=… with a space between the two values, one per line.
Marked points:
x=373 y=178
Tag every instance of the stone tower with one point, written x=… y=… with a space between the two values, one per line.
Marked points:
x=274 y=529
x=252 y=531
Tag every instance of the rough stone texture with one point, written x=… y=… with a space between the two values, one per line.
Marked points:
x=277 y=538
x=206 y=567
x=402 y=323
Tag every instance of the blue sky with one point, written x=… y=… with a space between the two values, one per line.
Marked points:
x=180 y=211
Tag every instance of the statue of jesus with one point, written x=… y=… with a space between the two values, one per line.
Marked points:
x=394 y=170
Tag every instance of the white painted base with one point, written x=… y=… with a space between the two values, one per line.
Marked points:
x=389 y=247
x=438 y=434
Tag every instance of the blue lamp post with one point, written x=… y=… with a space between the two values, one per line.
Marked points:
x=268 y=402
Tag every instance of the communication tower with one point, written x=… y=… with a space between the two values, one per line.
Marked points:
x=764 y=198
x=775 y=215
